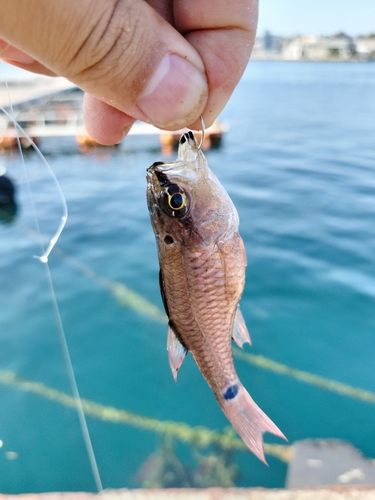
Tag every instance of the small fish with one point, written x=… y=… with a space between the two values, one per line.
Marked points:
x=202 y=275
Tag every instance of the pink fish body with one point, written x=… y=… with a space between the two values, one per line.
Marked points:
x=202 y=276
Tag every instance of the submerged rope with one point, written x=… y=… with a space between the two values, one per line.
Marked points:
x=124 y=295
x=306 y=377
x=199 y=436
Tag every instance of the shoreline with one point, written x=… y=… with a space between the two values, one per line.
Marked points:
x=283 y=59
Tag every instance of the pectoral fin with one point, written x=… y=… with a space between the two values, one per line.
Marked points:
x=176 y=351
x=240 y=334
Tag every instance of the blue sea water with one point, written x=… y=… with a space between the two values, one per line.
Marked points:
x=299 y=163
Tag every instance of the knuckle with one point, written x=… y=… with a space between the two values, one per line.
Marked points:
x=111 y=46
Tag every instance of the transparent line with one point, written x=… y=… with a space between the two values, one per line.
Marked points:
x=73 y=383
x=45 y=252
x=56 y=311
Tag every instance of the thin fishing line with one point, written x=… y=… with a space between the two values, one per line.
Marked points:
x=56 y=311
x=19 y=147
x=45 y=252
x=73 y=383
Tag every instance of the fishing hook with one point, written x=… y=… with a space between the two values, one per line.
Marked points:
x=202 y=137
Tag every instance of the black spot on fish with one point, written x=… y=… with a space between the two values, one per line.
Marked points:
x=183 y=139
x=231 y=392
x=168 y=240
x=191 y=135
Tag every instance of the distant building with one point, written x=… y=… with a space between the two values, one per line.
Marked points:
x=365 y=47
x=267 y=47
x=271 y=43
x=295 y=49
x=340 y=47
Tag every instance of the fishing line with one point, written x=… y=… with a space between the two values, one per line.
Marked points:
x=43 y=258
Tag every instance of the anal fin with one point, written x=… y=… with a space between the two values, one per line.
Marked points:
x=240 y=334
x=176 y=351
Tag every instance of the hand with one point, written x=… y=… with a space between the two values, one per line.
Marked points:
x=165 y=62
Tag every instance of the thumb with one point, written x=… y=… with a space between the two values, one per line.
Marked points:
x=120 y=51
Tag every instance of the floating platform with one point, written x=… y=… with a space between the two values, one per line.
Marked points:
x=54 y=111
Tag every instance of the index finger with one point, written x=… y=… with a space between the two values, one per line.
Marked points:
x=223 y=33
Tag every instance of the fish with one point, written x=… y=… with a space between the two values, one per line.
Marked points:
x=202 y=276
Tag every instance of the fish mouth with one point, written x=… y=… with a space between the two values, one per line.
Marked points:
x=187 y=166
x=188 y=152
x=188 y=147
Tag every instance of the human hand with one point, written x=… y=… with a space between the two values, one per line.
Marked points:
x=166 y=62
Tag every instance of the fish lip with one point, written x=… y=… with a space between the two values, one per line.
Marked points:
x=152 y=172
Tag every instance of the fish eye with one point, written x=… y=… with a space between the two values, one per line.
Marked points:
x=174 y=202
x=177 y=201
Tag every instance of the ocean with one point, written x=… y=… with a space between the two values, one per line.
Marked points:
x=299 y=163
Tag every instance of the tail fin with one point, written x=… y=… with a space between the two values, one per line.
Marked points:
x=249 y=421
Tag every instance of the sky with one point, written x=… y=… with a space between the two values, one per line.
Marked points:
x=318 y=17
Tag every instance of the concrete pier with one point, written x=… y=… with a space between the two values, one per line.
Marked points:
x=335 y=493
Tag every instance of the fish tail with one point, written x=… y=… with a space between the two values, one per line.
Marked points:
x=248 y=419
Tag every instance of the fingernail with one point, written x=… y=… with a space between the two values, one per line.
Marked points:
x=176 y=93
x=20 y=59
x=13 y=55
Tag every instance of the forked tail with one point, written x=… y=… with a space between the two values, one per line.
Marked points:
x=249 y=420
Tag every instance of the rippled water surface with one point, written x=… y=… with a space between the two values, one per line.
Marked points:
x=299 y=163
